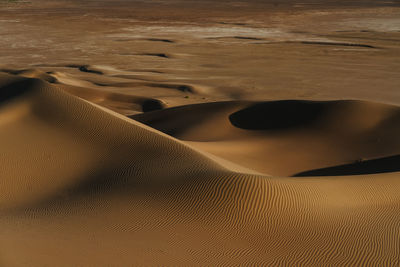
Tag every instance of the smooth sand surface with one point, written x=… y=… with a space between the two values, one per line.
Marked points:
x=199 y=133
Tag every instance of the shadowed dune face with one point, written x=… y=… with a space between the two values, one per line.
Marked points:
x=289 y=137
x=151 y=105
x=381 y=165
x=14 y=89
x=279 y=115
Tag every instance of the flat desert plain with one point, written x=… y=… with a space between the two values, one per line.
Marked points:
x=199 y=133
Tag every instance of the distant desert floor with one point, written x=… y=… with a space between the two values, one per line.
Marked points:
x=199 y=133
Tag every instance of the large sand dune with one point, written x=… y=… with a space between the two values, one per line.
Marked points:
x=84 y=186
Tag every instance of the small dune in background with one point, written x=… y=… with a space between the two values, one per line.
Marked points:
x=199 y=133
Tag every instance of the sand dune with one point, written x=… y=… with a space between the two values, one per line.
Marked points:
x=286 y=137
x=82 y=185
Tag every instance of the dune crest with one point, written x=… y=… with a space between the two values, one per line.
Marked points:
x=57 y=122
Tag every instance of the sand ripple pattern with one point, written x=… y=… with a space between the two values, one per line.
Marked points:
x=81 y=185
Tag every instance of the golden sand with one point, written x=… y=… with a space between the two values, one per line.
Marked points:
x=190 y=133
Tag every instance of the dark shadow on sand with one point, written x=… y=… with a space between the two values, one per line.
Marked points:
x=279 y=115
x=16 y=88
x=381 y=165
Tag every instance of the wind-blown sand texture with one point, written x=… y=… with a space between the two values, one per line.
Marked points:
x=171 y=157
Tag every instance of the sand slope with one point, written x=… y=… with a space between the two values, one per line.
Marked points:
x=84 y=186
